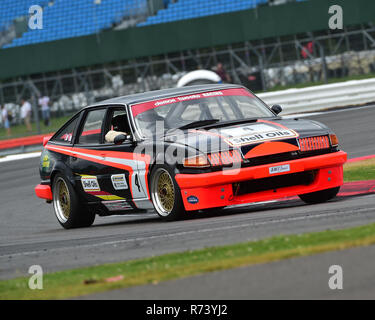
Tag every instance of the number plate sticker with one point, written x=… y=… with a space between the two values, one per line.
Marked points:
x=279 y=169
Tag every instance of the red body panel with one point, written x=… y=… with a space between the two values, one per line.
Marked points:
x=43 y=192
x=215 y=189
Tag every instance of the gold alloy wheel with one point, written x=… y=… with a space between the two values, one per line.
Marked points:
x=163 y=193
x=61 y=200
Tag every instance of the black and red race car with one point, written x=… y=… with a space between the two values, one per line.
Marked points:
x=183 y=150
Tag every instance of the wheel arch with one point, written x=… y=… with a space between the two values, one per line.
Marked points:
x=64 y=170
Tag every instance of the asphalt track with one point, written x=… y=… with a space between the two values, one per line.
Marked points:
x=30 y=234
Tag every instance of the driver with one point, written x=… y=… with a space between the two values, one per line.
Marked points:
x=120 y=126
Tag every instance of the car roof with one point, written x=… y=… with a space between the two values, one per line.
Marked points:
x=164 y=93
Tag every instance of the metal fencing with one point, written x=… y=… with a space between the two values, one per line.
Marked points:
x=259 y=65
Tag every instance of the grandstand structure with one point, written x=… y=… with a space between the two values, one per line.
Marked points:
x=189 y=9
x=69 y=18
x=74 y=18
x=94 y=49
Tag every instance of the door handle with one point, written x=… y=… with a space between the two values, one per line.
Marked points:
x=74 y=156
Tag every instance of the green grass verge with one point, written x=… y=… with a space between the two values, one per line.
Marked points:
x=71 y=283
x=361 y=170
x=19 y=131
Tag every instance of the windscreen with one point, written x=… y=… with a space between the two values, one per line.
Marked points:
x=177 y=112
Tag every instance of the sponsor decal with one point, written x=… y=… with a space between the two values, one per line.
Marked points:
x=118 y=205
x=191 y=97
x=105 y=195
x=212 y=94
x=279 y=169
x=163 y=102
x=192 y=199
x=45 y=161
x=90 y=183
x=134 y=163
x=184 y=98
x=67 y=137
x=142 y=107
x=255 y=134
x=119 y=182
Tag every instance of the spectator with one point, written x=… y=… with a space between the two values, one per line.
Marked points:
x=26 y=113
x=43 y=102
x=307 y=49
x=225 y=77
x=5 y=119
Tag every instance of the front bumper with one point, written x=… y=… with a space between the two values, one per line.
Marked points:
x=215 y=189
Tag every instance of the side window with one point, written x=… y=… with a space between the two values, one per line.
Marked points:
x=92 y=128
x=118 y=124
x=66 y=134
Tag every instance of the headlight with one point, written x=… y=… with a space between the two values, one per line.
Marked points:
x=313 y=143
x=334 y=140
x=200 y=161
x=225 y=158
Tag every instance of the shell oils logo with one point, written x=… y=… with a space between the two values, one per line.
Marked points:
x=90 y=183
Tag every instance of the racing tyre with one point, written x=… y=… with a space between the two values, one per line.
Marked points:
x=166 y=194
x=319 y=196
x=68 y=210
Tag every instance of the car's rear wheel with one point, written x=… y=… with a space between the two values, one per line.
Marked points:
x=68 y=210
x=165 y=194
x=319 y=196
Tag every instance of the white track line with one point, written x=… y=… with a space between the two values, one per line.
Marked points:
x=20 y=156
x=310 y=114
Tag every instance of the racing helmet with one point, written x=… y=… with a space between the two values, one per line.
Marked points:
x=120 y=123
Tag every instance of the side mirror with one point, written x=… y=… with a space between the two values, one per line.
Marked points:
x=276 y=108
x=121 y=138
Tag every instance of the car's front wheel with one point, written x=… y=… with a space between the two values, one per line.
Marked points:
x=319 y=196
x=166 y=194
x=68 y=210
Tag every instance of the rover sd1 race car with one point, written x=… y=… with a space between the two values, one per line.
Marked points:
x=184 y=150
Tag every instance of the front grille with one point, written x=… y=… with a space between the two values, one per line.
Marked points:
x=314 y=143
x=287 y=156
x=272 y=183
